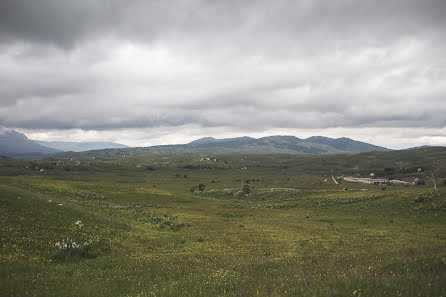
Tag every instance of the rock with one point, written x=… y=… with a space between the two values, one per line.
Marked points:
x=79 y=223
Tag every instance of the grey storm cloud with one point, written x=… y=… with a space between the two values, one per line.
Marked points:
x=66 y=23
x=252 y=65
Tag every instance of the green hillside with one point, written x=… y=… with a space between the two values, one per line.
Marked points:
x=183 y=225
x=381 y=163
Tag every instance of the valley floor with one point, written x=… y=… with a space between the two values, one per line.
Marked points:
x=146 y=234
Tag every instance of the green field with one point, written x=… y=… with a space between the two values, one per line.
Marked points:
x=296 y=233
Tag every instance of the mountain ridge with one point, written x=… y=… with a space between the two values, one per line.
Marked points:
x=313 y=144
x=16 y=144
x=206 y=145
x=80 y=146
x=242 y=145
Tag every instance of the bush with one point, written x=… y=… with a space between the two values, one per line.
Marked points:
x=199 y=188
x=165 y=221
x=246 y=189
x=68 y=249
x=426 y=197
x=173 y=226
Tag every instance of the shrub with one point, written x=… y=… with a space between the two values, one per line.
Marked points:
x=189 y=166
x=69 y=249
x=422 y=198
x=246 y=189
x=201 y=187
x=174 y=226
x=165 y=221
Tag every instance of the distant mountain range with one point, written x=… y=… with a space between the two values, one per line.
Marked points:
x=243 y=145
x=277 y=144
x=15 y=144
x=80 y=146
x=418 y=147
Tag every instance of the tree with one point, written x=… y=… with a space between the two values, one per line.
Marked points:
x=434 y=173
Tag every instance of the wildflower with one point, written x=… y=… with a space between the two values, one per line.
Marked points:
x=335 y=292
x=309 y=282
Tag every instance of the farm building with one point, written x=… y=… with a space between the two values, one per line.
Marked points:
x=364 y=180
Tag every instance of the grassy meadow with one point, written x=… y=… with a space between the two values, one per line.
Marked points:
x=291 y=232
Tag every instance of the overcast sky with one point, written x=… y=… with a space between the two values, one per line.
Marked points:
x=158 y=72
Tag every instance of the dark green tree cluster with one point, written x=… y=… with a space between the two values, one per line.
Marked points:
x=199 y=187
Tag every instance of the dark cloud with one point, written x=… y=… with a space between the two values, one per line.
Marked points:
x=67 y=23
x=236 y=65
